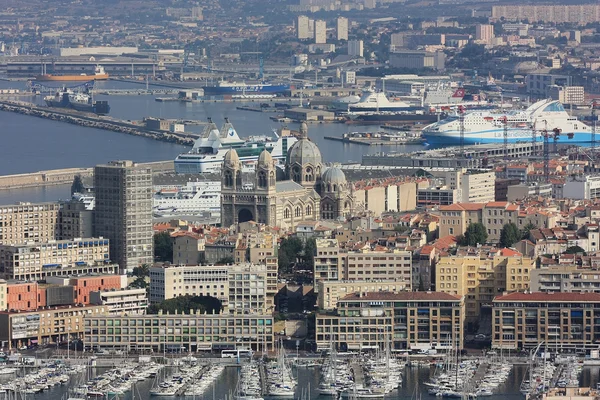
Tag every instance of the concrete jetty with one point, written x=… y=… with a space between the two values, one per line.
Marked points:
x=94 y=121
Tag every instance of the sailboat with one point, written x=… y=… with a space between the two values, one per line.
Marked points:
x=282 y=383
x=328 y=386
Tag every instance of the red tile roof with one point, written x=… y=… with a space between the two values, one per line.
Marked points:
x=550 y=297
x=509 y=253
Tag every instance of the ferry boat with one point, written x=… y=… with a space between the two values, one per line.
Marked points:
x=209 y=150
x=488 y=127
x=373 y=101
x=99 y=75
x=193 y=198
x=66 y=98
x=224 y=88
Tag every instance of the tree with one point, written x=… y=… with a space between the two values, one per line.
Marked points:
x=509 y=235
x=310 y=249
x=142 y=271
x=163 y=247
x=526 y=229
x=474 y=235
x=289 y=250
x=139 y=283
x=574 y=250
x=225 y=261
x=182 y=304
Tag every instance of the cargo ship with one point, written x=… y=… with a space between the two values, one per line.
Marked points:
x=66 y=98
x=99 y=75
x=234 y=89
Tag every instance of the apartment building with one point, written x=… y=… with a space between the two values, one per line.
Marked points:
x=76 y=220
x=123 y=301
x=303 y=27
x=36 y=260
x=379 y=264
x=170 y=281
x=46 y=325
x=562 y=321
x=330 y=292
x=193 y=332
x=342 y=28
x=123 y=212
x=480 y=274
x=320 y=31
x=478 y=186
x=3 y=287
x=455 y=218
x=406 y=320
x=188 y=248
x=565 y=279
x=24 y=222
x=328 y=265
x=580 y=14
x=484 y=33
x=248 y=291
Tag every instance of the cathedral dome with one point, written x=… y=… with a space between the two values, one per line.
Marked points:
x=231 y=158
x=334 y=176
x=265 y=159
x=304 y=152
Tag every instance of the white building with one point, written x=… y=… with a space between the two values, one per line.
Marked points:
x=170 y=281
x=100 y=50
x=582 y=188
x=478 y=187
x=342 y=28
x=124 y=301
x=567 y=94
x=484 y=33
x=355 y=48
x=303 y=27
x=350 y=77
x=320 y=31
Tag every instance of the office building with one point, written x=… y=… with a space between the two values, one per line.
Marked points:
x=484 y=33
x=330 y=292
x=23 y=222
x=123 y=301
x=45 y=326
x=355 y=48
x=303 y=28
x=193 y=332
x=564 y=322
x=480 y=274
x=407 y=320
x=342 y=28
x=123 y=213
x=320 y=31
x=36 y=261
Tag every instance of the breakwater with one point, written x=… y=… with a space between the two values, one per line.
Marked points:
x=65 y=176
x=94 y=121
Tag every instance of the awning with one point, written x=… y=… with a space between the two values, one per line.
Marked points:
x=33 y=341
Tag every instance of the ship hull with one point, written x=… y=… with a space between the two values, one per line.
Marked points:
x=248 y=90
x=71 y=78
x=384 y=109
x=377 y=118
x=452 y=138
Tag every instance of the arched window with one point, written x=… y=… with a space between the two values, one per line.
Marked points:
x=228 y=178
x=298 y=212
x=262 y=180
x=238 y=178
x=308 y=210
x=286 y=213
x=334 y=187
x=296 y=175
x=309 y=174
x=272 y=178
x=347 y=205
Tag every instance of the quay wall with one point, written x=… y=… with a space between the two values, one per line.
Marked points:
x=66 y=176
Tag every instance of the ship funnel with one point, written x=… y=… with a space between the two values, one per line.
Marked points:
x=226 y=120
x=209 y=120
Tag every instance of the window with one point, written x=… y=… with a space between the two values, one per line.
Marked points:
x=298 y=212
x=228 y=179
x=308 y=210
x=262 y=179
x=286 y=213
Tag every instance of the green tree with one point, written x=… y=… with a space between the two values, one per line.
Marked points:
x=310 y=249
x=225 y=261
x=289 y=250
x=182 y=304
x=574 y=250
x=139 y=283
x=474 y=235
x=509 y=235
x=526 y=229
x=163 y=247
x=142 y=271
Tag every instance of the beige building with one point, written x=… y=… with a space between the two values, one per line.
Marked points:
x=24 y=222
x=378 y=197
x=3 y=294
x=188 y=248
x=34 y=261
x=565 y=279
x=562 y=321
x=76 y=220
x=193 y=332
x=124 y=301
x=342 y=28
x=320 y=31
x=303 y=27
x=51 y=325
x=579 y=14
x=328 y=261
x=480 y=274
x=330 y=292
x=484 y=33
x=407 y=320
x=376 y=265
x=478 y=187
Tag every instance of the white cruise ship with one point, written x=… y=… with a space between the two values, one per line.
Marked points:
x=371 y=101
x=209 y=150
x=192 y=199
x=488 y=127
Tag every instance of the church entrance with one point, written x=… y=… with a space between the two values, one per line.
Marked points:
x=245 y=215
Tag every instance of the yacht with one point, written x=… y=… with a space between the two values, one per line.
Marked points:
x=209 y=150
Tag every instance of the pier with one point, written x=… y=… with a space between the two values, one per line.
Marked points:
x=94 y=121
x=134 y=92
x=376 y=142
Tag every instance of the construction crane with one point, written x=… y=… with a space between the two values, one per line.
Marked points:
x=461 y=121
x=505 y=148
x=533 y=139
x=554 y=135
x=261 y=68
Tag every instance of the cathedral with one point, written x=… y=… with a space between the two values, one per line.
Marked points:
x=306 y=191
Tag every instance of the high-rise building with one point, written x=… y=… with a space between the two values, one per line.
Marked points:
x=320 y=31
x=123 y=213
x=484 y=32
x=29 y=222
x=355 y=48
x=303 y=27
x=342 y=28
